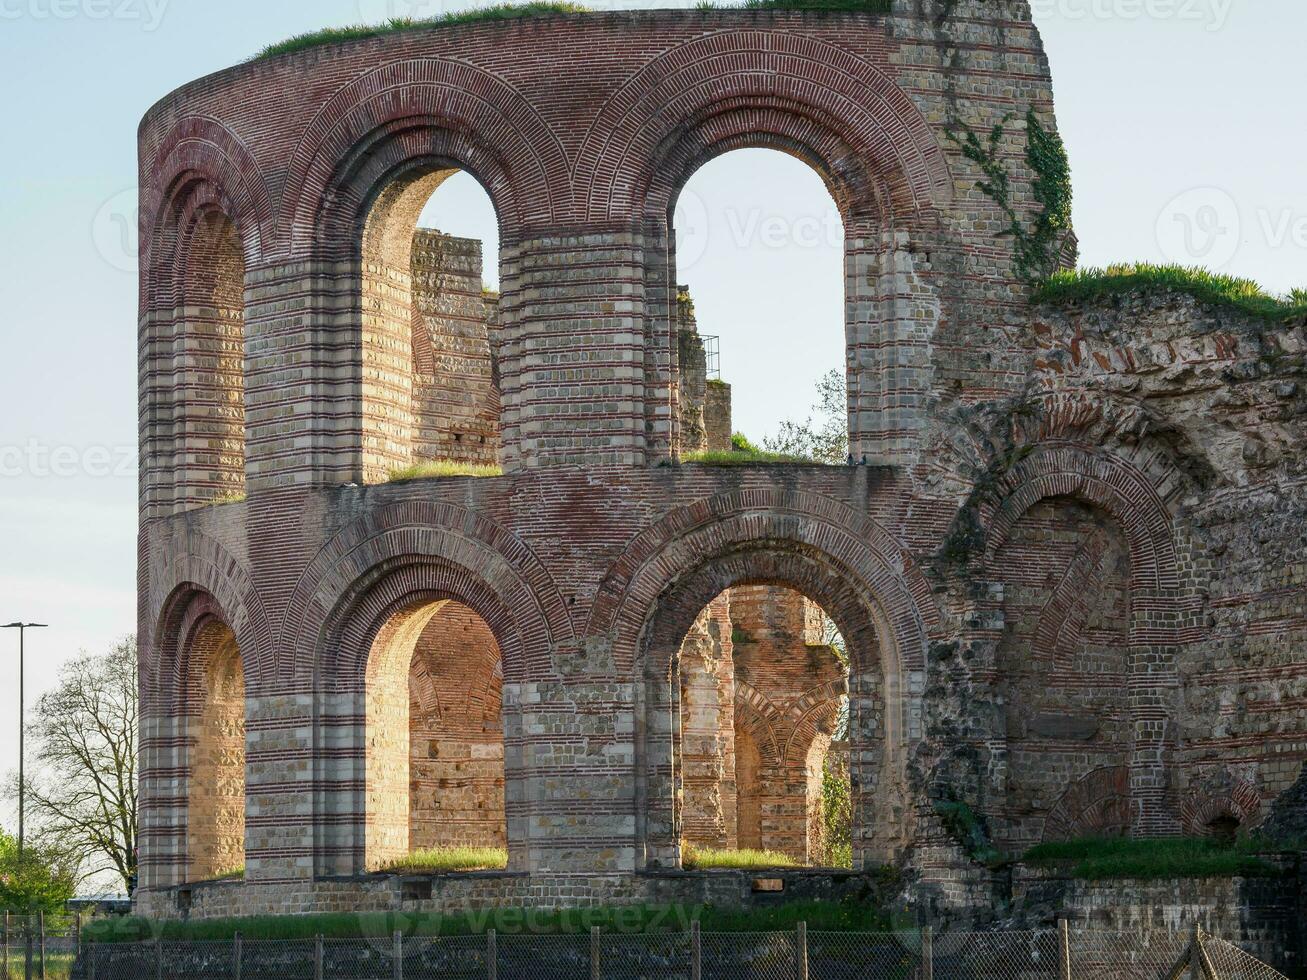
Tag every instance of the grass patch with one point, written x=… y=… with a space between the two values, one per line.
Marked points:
x=1096 y=859
x=434 y=860
x=742 y=453
x=399 y=25
x=434 y=468
x=1231 y=292
x=518 y=11
x=707 y=859
x=851 y=916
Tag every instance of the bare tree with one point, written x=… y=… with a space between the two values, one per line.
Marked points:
x=83 y=794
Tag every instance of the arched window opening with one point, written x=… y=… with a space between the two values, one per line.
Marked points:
x=1064 y=674
x=763 y=681
x=430 y=382
x=216 y=804
x=211 y=386
x=435 y=742
x=1223 y=828
x=759 y=320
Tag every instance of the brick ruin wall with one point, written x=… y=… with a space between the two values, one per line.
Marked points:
x=1069 y=580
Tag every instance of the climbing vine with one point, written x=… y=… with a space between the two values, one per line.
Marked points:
x=1035 y=249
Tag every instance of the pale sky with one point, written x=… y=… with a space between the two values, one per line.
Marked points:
x=1184 y=120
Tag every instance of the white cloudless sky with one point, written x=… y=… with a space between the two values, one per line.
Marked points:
x=1184 y=120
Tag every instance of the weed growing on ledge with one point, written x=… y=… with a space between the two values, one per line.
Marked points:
x=433 y=468
x=742 y=453
x=1171 y=857
x=435 y=860
x=1243 y=295
x=706 y=859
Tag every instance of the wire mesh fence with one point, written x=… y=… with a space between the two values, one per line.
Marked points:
x=1059 y=954
x=38 y=946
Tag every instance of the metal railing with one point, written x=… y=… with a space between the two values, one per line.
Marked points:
x=1060 y=954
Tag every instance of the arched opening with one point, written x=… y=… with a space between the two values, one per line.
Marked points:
x=1064 y=664
x=215 y=826
x=759 y=319
x=434 y=742
x=210 y=448
x=762 y=682
x=430 y=378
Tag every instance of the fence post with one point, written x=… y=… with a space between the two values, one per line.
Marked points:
x=696 y=952
x=90 y=962
x=40 y=932
x=158 y=959
x=595 y=973
x=492 y=956
x=1064 y=948
x=317 y=957
x=801 y=952
x=927 y=953
x=6 y=946
x=398 y=953
x=236 y=956
x=77 y=927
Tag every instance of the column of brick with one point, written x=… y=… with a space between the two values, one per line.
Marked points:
x=577 y=347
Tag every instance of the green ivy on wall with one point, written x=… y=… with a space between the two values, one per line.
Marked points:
x=1035 y=248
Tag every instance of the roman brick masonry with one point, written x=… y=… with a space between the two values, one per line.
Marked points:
x=1067 y=564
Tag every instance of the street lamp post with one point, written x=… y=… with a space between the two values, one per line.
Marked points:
x=22 y=786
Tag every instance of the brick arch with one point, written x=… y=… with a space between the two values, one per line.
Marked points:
x=755 y=715
x=843 y=562
x=199 y=161
x=1096 y=805
x=201 y=567
x=1160 y=615
x=476 y=556
x=782 y=77
x=871 y=557
x=424 y=107
x=1223 y=793
x=815 y=707
x=194 y=635
x=1099 y=479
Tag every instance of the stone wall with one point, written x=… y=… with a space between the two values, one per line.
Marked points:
x=456 y=391
x=1262 y=915
x=1110 y=490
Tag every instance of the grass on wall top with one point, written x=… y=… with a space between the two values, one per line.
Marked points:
x=1095 y=859
x=535 y=8
x=437 y=860
x=1243 y=295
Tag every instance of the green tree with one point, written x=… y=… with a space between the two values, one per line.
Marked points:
x=41 y=879
x=82 y=794
x=824 y=436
